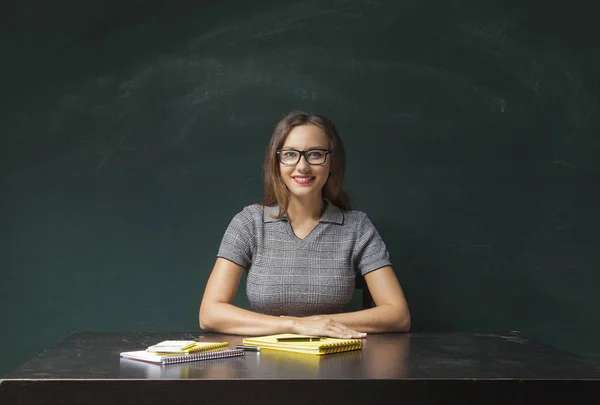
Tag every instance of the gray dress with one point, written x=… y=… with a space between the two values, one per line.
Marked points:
x=302 y=277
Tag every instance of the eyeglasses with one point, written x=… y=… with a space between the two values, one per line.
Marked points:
x=291 y=157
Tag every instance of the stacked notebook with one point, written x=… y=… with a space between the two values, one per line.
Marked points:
x=289 y=342
x=181 y=351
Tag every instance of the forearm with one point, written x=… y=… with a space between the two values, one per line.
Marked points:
x=381 y=319
x=227 y=318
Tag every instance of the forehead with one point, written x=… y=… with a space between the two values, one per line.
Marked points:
x=306 y=136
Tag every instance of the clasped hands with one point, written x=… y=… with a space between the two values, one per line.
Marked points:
x=321 y=325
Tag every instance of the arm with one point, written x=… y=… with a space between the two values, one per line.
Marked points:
x=371 y=258
x=218 y=314
x=391 y=313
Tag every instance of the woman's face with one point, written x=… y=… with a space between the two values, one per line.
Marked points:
x=305 y=180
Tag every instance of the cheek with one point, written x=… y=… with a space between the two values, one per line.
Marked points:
x=324 y=175
x=285 y=173
x=285 y=170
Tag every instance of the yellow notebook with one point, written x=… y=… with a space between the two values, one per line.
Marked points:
x=319 y=347
x=185 y=347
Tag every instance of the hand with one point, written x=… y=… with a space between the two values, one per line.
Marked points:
x=320 y=325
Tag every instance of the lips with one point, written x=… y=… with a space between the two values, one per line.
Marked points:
x=303 y=180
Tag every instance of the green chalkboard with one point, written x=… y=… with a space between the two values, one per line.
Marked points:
x=133 y=131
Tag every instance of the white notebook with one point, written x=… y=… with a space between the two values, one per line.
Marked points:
x=158 y=358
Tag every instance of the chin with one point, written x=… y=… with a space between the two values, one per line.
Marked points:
x=305 y=193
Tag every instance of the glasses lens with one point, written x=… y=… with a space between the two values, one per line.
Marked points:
x=288 y=156
x=315 y=156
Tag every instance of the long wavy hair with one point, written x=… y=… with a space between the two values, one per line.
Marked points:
x=276 y=190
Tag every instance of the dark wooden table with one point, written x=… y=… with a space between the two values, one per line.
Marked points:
x=419 y=368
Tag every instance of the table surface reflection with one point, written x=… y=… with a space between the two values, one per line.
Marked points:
x=95 y=355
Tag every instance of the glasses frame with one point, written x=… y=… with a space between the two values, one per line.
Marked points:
x=301 y=153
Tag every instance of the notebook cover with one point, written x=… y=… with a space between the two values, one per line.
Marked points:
x=171 y=347
x=323 y=346
x=144 y=355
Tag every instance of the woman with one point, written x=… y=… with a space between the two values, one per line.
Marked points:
x=302 y=248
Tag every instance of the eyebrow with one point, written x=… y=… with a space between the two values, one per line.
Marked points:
x=311 y=148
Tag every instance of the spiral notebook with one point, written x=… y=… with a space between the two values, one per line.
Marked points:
x=159 y=358
x=185 y=346
x=320 y=347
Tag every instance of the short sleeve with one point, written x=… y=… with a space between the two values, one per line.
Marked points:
x=370 y=252
x=238 y=241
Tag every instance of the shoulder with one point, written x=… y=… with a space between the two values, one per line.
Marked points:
x=359 y=222
x=253 y=210
x=250 y=214
x=355 y=218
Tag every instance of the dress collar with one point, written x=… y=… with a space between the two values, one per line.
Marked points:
x=332 y=214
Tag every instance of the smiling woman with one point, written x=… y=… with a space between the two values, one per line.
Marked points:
x=302 y=248
x=304 y=167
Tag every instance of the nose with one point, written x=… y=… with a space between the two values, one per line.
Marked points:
x=302 y=164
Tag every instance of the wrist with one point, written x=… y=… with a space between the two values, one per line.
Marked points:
x=289 y=323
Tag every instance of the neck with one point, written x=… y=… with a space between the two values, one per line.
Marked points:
x=310 y=208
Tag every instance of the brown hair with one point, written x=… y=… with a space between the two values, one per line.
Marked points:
x=276 y=190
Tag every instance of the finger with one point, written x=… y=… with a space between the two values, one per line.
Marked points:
x=333 y=334
x=340 y=327
x=344 y=331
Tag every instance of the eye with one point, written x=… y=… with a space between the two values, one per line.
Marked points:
x=289 y=154
x=316 y=154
